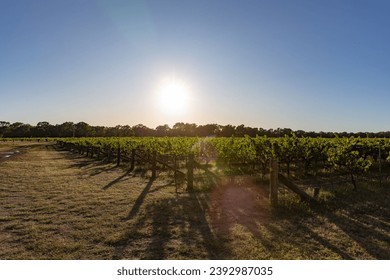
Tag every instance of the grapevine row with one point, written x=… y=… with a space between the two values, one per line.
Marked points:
x=349 y=154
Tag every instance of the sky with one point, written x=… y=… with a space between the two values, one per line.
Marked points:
x=306 y=64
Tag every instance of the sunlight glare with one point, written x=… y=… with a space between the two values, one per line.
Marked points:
x=173 y=96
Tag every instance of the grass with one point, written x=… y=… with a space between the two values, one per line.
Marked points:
x=59 y=205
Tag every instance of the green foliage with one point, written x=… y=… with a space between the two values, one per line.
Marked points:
x=351 y=155
x=348 y=154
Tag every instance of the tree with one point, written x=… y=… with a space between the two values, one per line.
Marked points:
x=163 y=130
x=42 y=129
x=3 y=128
x=227 y=130
x=243 y=130
x=184 y=129
x=207 y=130
x=66 y=129
x=127 y=131
x=19 y=129
x=142 y=130
x=82 y=129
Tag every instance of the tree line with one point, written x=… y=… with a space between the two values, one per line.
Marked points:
x=82 y=129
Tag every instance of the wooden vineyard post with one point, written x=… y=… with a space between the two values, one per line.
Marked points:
x=274 y=172
x=132 y=163
x=190 y=172
x=118 y=156
x=109 y=152
x=154 y=164
x=380 y=163
x=175 y=171
x=316 y=192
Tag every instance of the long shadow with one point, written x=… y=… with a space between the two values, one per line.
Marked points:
x=131 y=235
x=365 y=235
x=363 y=216
x=327 y=244
x=161 y=187
x=182 y=221
x=177 y=227
x=95 y=166
x=370 y=234
x=246 y=204
x=117 y=180
x=363 y=222
x=161 y=232
x=198 y=211
x=83 y=160
x=140 y=200
x=298 y=235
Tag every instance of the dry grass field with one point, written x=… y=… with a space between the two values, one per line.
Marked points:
x=59 y=205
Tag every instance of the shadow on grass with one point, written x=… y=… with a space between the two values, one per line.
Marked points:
x=176 y=228
x=134 y=210
x=296 y=235
x=360 y=217
x=117 y=180
x=361 y=220
x=366 y=236
x=364 y=217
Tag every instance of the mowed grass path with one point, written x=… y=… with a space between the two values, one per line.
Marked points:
x=59 y=205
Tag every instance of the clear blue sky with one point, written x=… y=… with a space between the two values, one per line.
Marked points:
x=310 y=65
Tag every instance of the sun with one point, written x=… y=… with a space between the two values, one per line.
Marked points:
x=173 y=96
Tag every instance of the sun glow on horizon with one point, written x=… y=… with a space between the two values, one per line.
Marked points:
x=173 y=96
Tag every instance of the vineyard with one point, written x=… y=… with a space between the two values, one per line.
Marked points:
x=298 y=157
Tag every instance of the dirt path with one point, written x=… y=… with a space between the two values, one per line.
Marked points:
x=12 y=149
x=58 y=205
x=6 y=155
